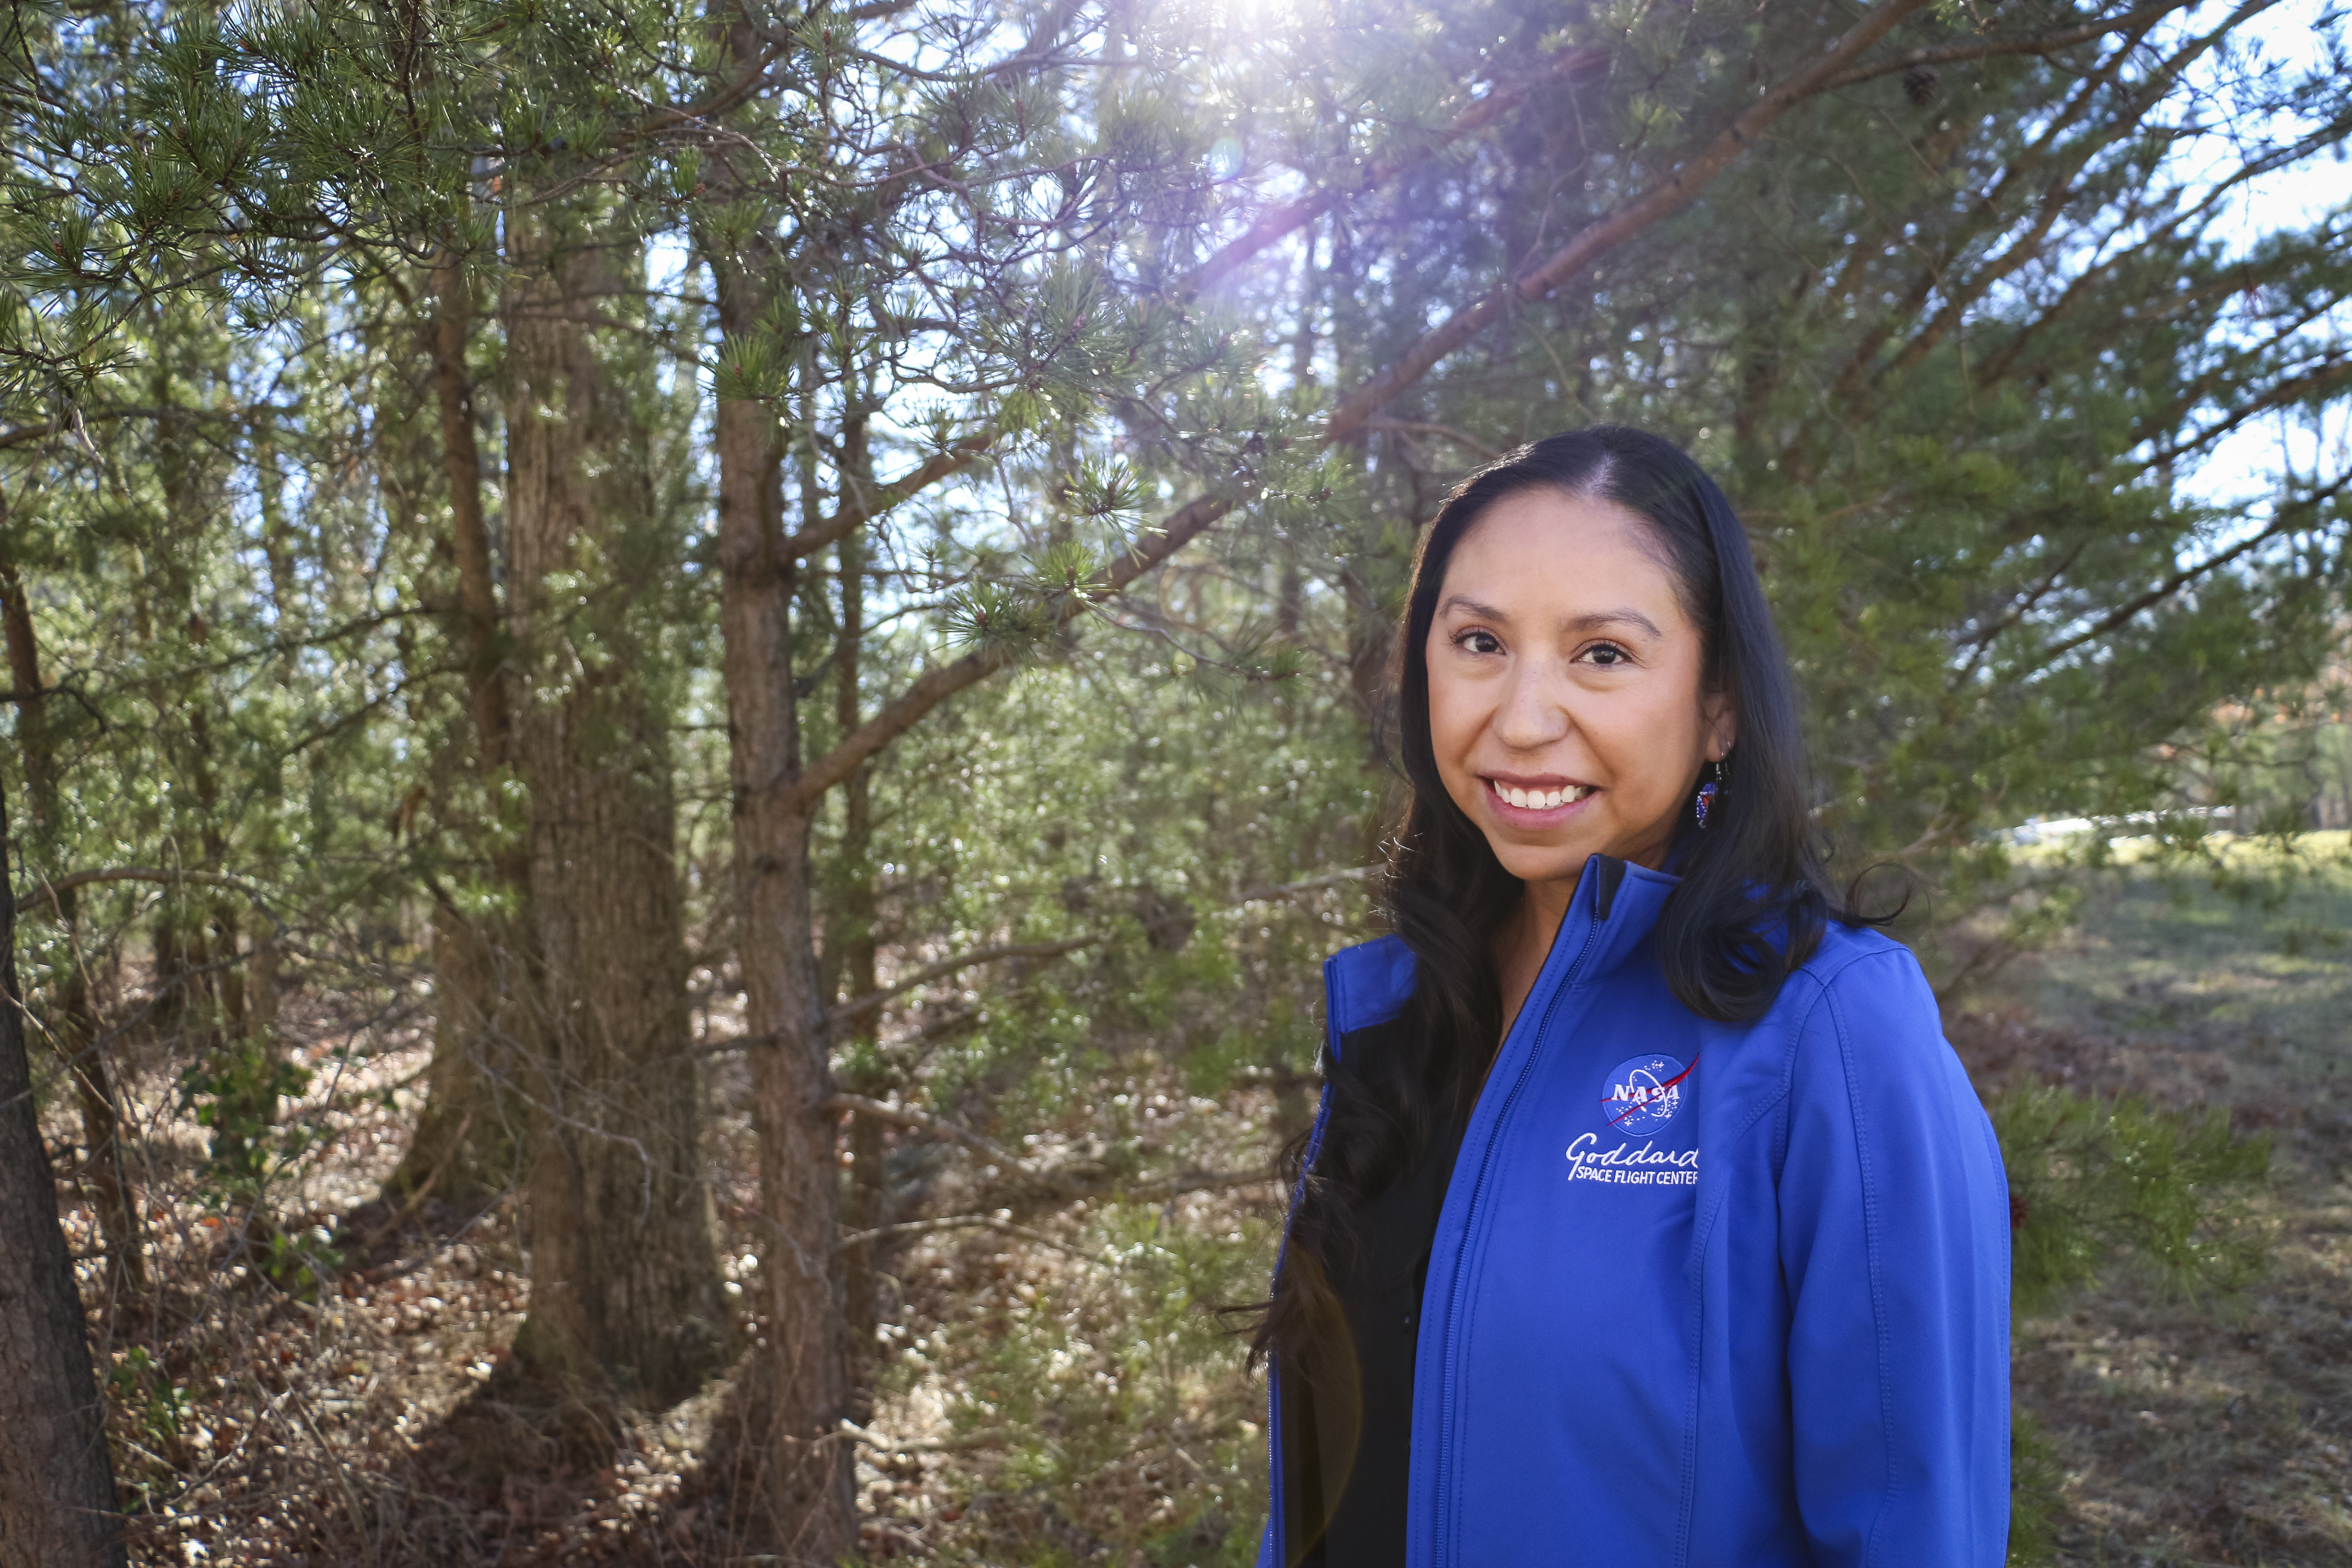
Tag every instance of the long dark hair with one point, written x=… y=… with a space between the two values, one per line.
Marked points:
x=1751 y=906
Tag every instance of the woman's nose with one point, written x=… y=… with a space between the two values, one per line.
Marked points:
x=1533 y=713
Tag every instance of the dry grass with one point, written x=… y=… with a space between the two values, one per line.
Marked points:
x=2194 y=1433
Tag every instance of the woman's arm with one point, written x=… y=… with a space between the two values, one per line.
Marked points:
x=1895 y=1247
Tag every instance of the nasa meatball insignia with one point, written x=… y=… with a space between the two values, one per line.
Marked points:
x=1640 y=1096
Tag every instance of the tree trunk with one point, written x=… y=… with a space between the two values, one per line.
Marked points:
x=248 y=1065
x=77 y=1031
x=469 y=537
x=168 y=1013
x=852 y=926
x=465 y=1147
x=806 y=1492
x=56 y=1482
x=625 y=1282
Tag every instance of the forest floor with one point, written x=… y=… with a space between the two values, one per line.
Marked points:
x=1065 y=1397
x=2188 y=1435
x=319 y=1391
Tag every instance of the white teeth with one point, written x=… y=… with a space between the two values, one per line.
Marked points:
x=1541 y=799
x=1544 y=800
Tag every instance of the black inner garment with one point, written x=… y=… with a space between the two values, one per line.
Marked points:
x=1347 y=1399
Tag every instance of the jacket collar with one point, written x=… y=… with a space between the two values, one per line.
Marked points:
x=1609 y=921
x=1616 y=906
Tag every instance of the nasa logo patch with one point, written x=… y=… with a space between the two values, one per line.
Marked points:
x=1642 y=1093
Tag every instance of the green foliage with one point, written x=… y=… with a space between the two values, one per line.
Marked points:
x=142 y=1386
x=1977 y=442
x=1111 y=1360
x=300 y=1264
x=2097 y=1184
x=233 y=1092
x=2034 y=1500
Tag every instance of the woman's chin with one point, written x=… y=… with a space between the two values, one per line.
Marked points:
x=1564 y=862
x=1546 y=863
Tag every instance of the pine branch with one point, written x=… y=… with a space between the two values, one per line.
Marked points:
x=935 y=686
x=2055 y=199
x=1668 y=196
x=1677 y=191
x=1991 y=48
x=1291 y=217
x=2285 y=522
x=861 y=507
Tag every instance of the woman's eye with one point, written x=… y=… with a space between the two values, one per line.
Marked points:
x=1607 y=653
x=1479 y=642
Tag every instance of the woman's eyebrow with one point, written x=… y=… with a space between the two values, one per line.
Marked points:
x=1465 y=602
x=1598 y=619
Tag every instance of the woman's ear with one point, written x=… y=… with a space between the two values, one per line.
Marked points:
x=1722 y=725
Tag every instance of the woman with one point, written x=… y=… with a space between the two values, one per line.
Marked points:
x=1648 y=1220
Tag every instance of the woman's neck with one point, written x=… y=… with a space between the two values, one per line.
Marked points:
x=1525 y=938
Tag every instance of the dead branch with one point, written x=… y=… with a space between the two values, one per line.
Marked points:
x=937 y=1127
x=857 y=1006
x=955 y=1222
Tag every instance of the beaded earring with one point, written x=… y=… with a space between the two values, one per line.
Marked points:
x=1707 y=791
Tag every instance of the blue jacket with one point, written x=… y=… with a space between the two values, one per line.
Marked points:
x=1705 y=1295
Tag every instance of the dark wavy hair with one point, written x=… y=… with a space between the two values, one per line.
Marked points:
x=1751 y=905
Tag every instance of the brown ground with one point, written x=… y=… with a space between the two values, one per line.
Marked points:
x=1075 y=1404
x=2187 y=1435
x=1037 y=1403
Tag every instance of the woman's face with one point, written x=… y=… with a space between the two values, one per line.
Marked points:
x=1567 y=703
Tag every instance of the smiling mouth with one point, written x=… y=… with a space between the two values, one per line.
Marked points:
x=1557 y=797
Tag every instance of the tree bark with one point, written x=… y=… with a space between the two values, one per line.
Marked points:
x=624 y=1296
x=57 y=1508
x=806 y=1492
x=76 y=1030
x=464 y=1146
x=852 y=926
x=468 y=1141
x=469 y=536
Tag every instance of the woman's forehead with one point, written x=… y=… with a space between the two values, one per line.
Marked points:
x=1549 y=557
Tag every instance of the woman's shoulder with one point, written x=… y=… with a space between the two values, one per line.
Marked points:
x=1856 y=976
x=1862 y=998
x=1366 y=984
x=1850 y=956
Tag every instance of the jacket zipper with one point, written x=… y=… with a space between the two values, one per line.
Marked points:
x=1469 y=1224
